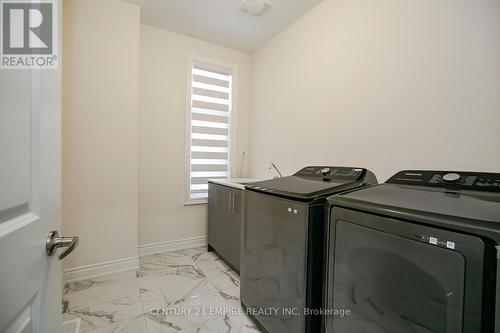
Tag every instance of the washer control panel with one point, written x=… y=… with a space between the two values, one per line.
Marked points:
x=475 y=181
x=331 y=172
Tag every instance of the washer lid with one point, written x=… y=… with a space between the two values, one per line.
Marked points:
x=464 y=205
x=312 y=182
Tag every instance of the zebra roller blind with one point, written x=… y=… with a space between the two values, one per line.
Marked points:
x=210 y=112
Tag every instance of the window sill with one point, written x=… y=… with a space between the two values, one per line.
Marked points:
x=196 y=202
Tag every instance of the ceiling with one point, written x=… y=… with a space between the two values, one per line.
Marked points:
x=221 y=21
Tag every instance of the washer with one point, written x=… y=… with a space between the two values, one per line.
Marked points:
x=282 y=245
x=419 y=253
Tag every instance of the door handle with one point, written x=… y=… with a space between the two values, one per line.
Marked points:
x=54 y=242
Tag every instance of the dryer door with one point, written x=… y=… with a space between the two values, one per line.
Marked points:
x=396 y=277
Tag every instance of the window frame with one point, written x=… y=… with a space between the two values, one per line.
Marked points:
x=188 y=131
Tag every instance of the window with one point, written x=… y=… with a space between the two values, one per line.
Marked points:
x=210 y=107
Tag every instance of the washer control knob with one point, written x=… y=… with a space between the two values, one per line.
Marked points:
x=325 y=171
x=451 y=177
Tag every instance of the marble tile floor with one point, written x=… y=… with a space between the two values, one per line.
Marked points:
x=185 y=291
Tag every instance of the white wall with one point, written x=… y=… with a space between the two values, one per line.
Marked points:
x=162 y=116
x=100 y=103
x=388 y=85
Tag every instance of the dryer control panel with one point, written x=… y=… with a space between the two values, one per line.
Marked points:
x=453 y=180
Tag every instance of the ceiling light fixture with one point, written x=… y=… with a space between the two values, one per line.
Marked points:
x=255 y=7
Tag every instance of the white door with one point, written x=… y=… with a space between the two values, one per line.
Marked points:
x=30 y=198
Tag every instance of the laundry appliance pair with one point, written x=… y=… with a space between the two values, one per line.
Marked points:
x=328 y=250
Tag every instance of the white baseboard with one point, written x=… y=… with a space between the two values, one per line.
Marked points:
x=104 y=268
x=175 y=245
x=128 y=264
